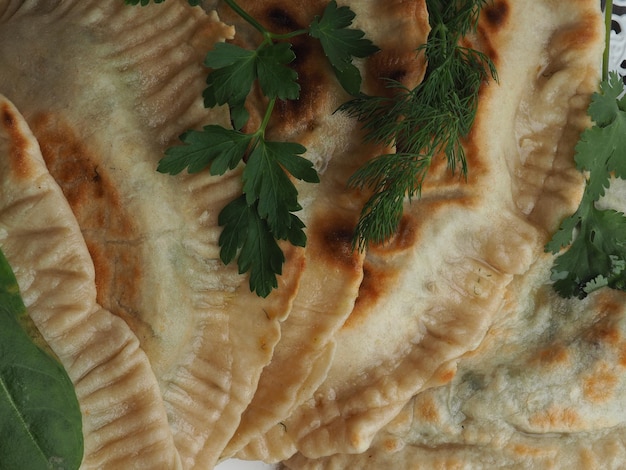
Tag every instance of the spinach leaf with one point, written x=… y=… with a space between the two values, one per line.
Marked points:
x=40 y=420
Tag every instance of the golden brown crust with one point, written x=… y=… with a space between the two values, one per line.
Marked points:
x=367 y=332
x=44 y=246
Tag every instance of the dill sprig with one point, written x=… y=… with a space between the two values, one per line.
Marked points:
x=421 y=123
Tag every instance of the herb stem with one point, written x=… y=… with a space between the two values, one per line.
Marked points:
x=244 y=14
x=608 y=11
x=290 y=35
x=266 y=117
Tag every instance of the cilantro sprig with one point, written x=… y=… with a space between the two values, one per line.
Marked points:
x=596 y=238
x=264 y=214
x=592 y=241
x=423 y=123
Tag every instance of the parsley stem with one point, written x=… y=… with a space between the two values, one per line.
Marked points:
x=298 y=32
x=241 y=12
x=266 y=117
x=608 y=10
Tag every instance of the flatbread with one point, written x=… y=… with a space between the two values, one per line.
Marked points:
x=431 y=294
x=545 y=389
x=124 y=419
x=333 y=273
x=97 y=90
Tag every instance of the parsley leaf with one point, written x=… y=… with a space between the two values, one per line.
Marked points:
x=595 y=238
x=277 y=80
x=245 y=231
x=341 y=43
x=234 y=73
x=265 y=181
x=235 y=69
x=214 y=147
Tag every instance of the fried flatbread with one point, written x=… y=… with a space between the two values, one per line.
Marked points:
x=333 y=273
x=124 y=419
x=106 y=88
x=121 y=85
x=431 y=294
x=545 y=389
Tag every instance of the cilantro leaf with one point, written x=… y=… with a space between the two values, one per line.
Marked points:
x=341 y=43
x=606 y=104
x=600 y=149
x=215 y=147
x=565 y=234
x=245 y=231
x=596 y=255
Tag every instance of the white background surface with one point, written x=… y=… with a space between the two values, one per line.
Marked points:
x=234 y=464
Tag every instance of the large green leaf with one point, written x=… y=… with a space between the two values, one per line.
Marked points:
x=40 y=419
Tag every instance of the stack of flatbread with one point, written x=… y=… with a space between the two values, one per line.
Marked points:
x=444 y=348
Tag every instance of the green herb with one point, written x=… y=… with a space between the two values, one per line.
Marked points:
x=596 y=238
x=422 y=123
x=596 y=255
x=40 y=419
x=264 y=214
x=341 y=44
x=193 y=3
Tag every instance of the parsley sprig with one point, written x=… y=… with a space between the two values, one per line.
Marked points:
x=595 y=239
x=422 y=123
x=264 y=214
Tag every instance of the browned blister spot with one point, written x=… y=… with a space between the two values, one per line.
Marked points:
x=555 y=418
x=404 y=238
x=555 y=354
x=600 y=384
x=497 y=14
x=372 y=286
x=315 y=76
x=400 y=65
x=622 y=355
x=330 y=238
x=425 y=409
x=87 y=186
x=604 y=333
x=316 y=85
x=108 y=229
x=446 y=375
x=377 y=280
x=527 y=451
x=392 y=444
x=398 y=58
x=18 y=158
x=493 y=22
x=588 y=459
x=578 y=36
